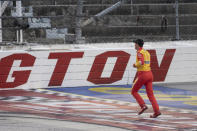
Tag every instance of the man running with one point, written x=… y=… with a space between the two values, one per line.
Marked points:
x=144 y=77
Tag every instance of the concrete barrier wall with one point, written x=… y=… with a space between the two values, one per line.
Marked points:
x=87 y=65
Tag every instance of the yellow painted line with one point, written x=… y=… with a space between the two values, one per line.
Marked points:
x=158 y=94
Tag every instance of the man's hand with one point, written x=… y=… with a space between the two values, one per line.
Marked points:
x=134 y=65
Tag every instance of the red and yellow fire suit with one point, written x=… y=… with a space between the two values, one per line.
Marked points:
x=144 y=77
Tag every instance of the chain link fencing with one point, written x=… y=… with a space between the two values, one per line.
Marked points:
x=65 y=21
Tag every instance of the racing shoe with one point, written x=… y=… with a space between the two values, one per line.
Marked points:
x=143 y=108
x=155 y=115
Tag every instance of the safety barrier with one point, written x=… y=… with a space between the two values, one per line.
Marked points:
x=93 y=64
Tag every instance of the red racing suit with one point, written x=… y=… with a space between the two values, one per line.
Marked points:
x=144 y=77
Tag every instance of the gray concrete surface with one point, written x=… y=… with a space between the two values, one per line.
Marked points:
x=24 y=122
x=192 y=86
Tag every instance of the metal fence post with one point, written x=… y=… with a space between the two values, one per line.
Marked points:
x=131 y=7
x=177 y=19
x=19 y=13
x=78 y=30
x=0 y=23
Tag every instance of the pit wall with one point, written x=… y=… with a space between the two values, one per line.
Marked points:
x=39 y=66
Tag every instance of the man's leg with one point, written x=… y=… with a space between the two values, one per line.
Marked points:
x=149 y=90
x=136 y=86
x=134 y=91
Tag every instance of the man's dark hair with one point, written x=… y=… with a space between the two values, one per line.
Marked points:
x=140 y=42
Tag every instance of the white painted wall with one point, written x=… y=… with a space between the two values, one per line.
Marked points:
x=182 y=69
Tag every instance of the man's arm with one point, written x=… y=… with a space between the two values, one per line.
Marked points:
x=140 y=58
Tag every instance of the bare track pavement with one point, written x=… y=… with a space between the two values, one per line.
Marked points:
x=101 y=108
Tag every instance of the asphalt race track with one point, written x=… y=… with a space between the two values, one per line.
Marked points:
x=98 y=108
